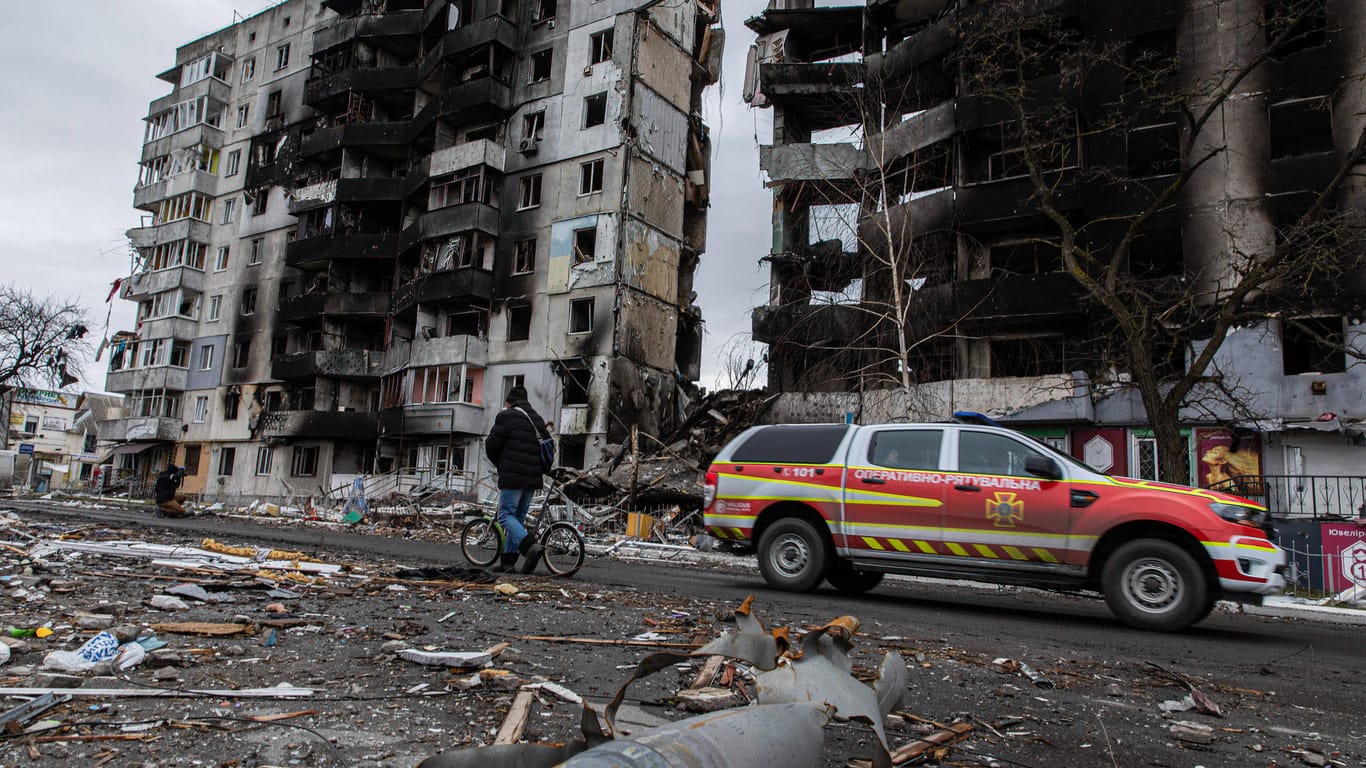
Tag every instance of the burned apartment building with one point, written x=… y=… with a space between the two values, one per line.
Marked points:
x=878 y=128
x=366 y=220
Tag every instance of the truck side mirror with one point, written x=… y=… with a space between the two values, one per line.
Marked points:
x=1041 y=466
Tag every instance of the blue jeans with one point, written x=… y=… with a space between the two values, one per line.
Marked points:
x=513 y=504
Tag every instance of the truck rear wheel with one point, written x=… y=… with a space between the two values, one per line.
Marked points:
x=792 y=555
x=1155 y=585
x=844 y=578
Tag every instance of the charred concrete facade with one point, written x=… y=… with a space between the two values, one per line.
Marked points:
x=991 y=299
x=399 y=210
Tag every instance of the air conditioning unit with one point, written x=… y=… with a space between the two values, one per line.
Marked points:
x=529 y=146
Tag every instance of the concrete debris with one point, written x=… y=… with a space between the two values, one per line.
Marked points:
x=457 y=659
x=168 y=603
x=1192 y=733
x=708 y=699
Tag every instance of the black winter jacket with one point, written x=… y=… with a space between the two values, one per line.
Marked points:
x=168 y=481
x=514 y=446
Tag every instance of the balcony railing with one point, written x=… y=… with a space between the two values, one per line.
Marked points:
x=1302 y=496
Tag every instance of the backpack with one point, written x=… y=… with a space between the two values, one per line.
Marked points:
x=547 y=444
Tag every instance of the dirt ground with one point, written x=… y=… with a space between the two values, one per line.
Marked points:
x=338 y=636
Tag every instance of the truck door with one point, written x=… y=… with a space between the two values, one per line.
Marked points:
x=893 y=493
x=995 y=510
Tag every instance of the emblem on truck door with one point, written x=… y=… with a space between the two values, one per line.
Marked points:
x=1004 y=510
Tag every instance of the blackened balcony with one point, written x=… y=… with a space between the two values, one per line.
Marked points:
x=315 y=425
x=832 y=325
x=495 y=29
x=376 y=80
x=467 y=284
x=315 y=252
x=392 y=135
x=389 y=25
x=825 y=93
x=451 y=220
x=477 y=100
x=314 y=306
x=331 y=363
x=1020 y=299
x=433 y=419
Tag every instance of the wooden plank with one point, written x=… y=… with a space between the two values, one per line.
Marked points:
x=603 y=641
x=515 y=722
x=707 y=672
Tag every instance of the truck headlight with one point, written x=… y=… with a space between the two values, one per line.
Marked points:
x=1237 y=513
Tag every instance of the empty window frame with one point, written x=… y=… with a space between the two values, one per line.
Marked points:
x=274 y=104
x=576 y=386
x=1295 y=25
x=599 y=47
x=304 y=462
x=215 y=307
x=468 y=323
x=226 y=458
x=1313 y=345
x=248 y=305
x=519 y=322
x=533 y=125
x=248 y=69
x=281 y=57
x=529 y=192
x=595 y=110
x=241 y=352
x=585 y=245
x=1154 y=150
x=544 y=10
x=590 y=177
x=581 y=316
x=234 y=163
x=1301 y=127
x=261 y=201
x=524 y=257
x=540 y=65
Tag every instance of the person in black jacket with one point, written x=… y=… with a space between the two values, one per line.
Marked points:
x=170 y=503
x=514 y=447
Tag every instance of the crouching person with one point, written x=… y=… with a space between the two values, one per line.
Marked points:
x=170 y=503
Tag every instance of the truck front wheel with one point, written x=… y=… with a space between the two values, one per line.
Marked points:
x=1155 y=585
x=792 y=555
x=844 y=578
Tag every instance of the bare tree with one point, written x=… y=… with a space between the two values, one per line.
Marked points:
x=42 y=340
x=1160 y=330
x=739 y=368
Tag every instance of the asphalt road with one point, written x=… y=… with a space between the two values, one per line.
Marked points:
x=1285 y=685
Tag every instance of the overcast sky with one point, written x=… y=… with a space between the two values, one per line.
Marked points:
x=79 y=76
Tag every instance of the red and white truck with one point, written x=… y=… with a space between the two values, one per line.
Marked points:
x=848 y=504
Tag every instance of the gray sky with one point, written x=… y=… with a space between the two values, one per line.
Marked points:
x=80 y=76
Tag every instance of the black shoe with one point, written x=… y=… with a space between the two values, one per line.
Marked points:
x=532 y=551
x=507 y=562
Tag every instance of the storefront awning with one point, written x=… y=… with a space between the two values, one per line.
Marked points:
x=127 y=448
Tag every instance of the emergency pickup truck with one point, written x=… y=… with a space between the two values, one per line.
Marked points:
x=848 y=504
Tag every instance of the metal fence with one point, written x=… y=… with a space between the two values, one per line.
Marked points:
x=1312 y=572
x=1303 y=496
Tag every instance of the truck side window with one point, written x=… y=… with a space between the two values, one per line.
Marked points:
x=906 y=449
x=986 y=453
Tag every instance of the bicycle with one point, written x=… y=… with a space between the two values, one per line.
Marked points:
x=482 y=540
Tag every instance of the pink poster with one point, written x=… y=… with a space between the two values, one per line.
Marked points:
x=1344 y=555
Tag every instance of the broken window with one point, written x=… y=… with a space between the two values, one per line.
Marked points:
x=1298 y=24
x=274 y=104
x=469 y=323
x=304 y=463
x=581 y=316
x=524 y=257
x=468 y=186
x=576 y=384
x=180 y=354
x=227 y=456
x=1157 y=251
x=1301 y=127
x=191 y=458
x=599 y=47
x=540 y=65
x=281 y=57
x=260 y=201
x=1154 y=150
x=230 y=402
x=585 y=245
x=1028 y=256
x=533 y=125
x=241 y=352
x=529 y=192
x=1028 y=356
x=572 y=449
x=590 y=177
x=594 y=110
x=519 y=322
x=998 y=152
x=545 y=10
x=1313 y=345
x=243 y=113
x=248 y=301
x=248 y=69
x=275 y=400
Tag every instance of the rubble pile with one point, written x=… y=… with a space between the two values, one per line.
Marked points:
x=669 y=471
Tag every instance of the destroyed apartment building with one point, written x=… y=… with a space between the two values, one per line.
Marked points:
x=365 y=222
x=910 y=252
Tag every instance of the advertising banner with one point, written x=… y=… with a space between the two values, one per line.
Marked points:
x=1344 y=555
x=1227 y=462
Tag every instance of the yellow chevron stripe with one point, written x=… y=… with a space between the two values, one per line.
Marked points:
x=957 y=549
x=925 y=547
x=1014 y=553
x=872 y=543
x=720 y=533
x=1045 y=555
x=899 y=545
x=986 y=551
x=738 y=533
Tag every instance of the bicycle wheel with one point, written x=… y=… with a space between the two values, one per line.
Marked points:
x=564 y=549
x=481 y=541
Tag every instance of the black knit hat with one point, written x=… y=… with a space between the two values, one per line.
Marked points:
x=517 y=394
